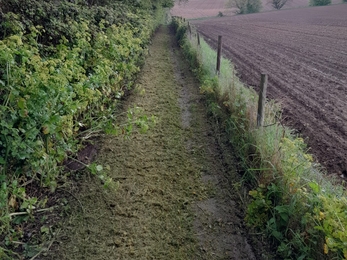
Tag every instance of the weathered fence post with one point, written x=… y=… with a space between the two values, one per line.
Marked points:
x=219 y=53
x=198 y=35
x=262 y=99
x=190 y=31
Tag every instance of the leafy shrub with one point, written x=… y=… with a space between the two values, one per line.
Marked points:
x=253 y=6
x=180 y=28
x=60 y=87
x=278 y=4
x=320 y=2
x=63 y=67
x=246 y=6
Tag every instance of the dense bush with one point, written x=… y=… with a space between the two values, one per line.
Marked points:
x=246 y=6
x=278 y=4
x=63 y=67
x=253 y=6
x=320 y=2
x=54 y=17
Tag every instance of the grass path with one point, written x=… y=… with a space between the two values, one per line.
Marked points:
x=173 y=199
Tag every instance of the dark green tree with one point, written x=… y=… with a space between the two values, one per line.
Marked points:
x=320 y=2
x=278 y=4
x=246 y=6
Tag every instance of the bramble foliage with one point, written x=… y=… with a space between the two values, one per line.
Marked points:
x=63 y=67
x=320 y=2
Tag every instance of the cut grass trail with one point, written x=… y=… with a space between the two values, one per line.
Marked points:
x=151 y=215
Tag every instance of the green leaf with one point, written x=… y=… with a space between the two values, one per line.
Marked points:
x=144 y=128
x=99 y=168
x=31 y=251
x=282 y=209
x=24 y=205
x=2 y=179
x=20 y=219
x=2 y=160
x=285 y=217
x=314 y=186
x=278 y=235
x=302 y=257
x=44 y=229
x=21 y=103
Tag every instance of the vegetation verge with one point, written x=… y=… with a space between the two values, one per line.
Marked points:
x=64 y=66
x=290 y=200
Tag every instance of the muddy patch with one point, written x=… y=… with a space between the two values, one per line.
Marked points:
x=84 y=157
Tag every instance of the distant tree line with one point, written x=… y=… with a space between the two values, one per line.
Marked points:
x=254 y=6
x=245 y=6
x=320 y=2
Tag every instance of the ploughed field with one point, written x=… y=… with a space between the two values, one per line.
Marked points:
x=304 y=52
x=200 y=8
x=192 y=9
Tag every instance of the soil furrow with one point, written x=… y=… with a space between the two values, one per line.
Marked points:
x=327 y=120
x=303 y=51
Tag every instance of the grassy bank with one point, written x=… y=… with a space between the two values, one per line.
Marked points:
x=290 y=200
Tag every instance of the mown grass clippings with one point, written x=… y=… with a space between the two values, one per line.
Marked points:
x=149 y=215
x=173 y=199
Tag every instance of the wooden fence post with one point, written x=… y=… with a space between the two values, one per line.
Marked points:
x=198 y=35
x=190 y=31
x=219 y=53
x=262 y=99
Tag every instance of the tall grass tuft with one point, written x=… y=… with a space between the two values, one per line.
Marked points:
x=299 y=209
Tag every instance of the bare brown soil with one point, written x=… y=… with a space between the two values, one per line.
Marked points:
x=200 y=8
x=194 y=9
x=304 y=53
